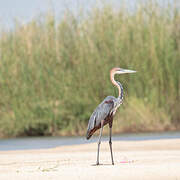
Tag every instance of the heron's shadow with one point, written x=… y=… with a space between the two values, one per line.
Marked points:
x=103 y=164
x=109 y=164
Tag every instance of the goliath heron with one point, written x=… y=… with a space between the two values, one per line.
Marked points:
x=105 y=111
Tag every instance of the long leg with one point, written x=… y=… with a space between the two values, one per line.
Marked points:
x=110 y=141
x=99 y=142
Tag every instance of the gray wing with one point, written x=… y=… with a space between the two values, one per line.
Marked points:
x=99 y=114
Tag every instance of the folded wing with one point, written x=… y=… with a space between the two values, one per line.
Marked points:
x=99 y=114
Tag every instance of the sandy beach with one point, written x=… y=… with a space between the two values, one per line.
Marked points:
x=152 y=159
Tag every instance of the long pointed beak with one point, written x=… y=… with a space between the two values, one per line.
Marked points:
x=124 y=71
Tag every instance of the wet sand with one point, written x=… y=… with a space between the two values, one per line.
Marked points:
x=151 y=159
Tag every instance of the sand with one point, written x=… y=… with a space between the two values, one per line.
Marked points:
x=142 y=160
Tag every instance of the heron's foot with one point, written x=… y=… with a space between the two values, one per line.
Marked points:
x=113 y=163
x=97 y=163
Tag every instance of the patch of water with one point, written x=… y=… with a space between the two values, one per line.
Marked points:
x=51 y=142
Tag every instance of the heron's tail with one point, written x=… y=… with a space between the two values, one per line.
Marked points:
x=91 y=131
x=88 y=135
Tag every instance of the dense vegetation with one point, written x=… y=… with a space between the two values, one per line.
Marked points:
x=53 y=74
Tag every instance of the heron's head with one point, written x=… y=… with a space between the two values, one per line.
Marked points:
x=117 y=70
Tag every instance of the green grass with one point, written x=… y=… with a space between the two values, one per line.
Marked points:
x=53 y=75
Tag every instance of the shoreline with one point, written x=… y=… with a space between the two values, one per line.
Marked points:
x=46 y=142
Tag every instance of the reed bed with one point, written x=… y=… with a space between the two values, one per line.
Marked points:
x=53 y=73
